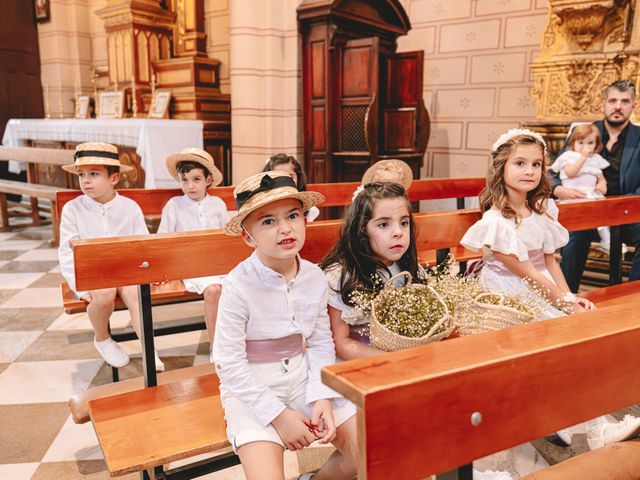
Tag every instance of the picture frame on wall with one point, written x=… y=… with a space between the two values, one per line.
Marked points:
x=82 y=110
x=111 y=104
x=160 y=104
x=42 y=10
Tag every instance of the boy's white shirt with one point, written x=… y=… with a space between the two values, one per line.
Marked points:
x=84 y=218
x=257 y=304
x=181 y=214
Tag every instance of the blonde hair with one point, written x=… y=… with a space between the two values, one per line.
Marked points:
x=583 y=131
x=494 y=194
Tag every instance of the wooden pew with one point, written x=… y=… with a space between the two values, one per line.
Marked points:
x=337 y=194
x=32 y=189
x=138 y=415
x=152 y=201
x=435 y=408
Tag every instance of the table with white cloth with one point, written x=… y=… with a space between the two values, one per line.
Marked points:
x=153 y=139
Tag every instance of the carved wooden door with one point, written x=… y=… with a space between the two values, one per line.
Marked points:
x=356 y=122
x=405 y=119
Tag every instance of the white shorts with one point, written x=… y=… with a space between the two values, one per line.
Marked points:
x=200 y=284
x=288 y=382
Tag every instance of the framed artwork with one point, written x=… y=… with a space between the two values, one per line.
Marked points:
x=160 y=104
x=111 y=104
x=82 y=109
x=42 y=10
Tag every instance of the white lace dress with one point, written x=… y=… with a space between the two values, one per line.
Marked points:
x=358 y=323
x=531 y=239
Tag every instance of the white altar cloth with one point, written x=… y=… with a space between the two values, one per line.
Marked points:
x=154 y=139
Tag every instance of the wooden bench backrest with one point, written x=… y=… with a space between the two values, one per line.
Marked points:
x=120 y=261
x=417 y=408
x=50 y=156
x=336 y=194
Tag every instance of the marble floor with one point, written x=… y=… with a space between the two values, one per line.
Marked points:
x=47 y=355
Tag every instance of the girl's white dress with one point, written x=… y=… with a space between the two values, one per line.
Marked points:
x=587 y=176
x=533 y=237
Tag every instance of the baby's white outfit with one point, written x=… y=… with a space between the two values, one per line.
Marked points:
x=587 y=177
x=181 y=214
x=84 y=218
x=585 y=181
x=257 y=304
x=531 y=239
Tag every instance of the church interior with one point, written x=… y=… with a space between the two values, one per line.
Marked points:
x=337 y=84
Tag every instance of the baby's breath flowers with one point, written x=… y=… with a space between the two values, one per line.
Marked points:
x=413 y=310
x=410 y=312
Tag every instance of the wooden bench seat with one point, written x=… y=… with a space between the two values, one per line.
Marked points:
x=32 y=189
x=620 y=461
x=141 y=429
x=170 y=292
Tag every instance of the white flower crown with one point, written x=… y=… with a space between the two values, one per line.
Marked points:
x=514 y=132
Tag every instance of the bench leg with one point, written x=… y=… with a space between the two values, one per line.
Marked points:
x=615 y=256
x=463 y=473
x=146 y=317
x=55 y=222
x=4 y=212
x=35 y=211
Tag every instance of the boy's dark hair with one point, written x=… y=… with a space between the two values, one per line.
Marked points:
x=111 y=169
x=353 y=250
x=186 y=166
x=284 y=159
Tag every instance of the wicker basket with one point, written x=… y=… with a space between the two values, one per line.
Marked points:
x=480 y=317
x=384 y=339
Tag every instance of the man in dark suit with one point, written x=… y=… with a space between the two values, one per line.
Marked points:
x=621 y=142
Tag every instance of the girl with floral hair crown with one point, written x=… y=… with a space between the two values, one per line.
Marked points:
x=518 y=235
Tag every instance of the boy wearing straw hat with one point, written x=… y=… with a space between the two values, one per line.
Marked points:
x=272 y=303
x=101 y=213
x=394 y=171
x=196 y=171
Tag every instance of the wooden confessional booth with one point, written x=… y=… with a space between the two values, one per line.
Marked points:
x=362 y=100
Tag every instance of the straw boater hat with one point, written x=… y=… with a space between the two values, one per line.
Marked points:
x=264 y=188
x=194 y=155
x=96 y=153
x=388 y=171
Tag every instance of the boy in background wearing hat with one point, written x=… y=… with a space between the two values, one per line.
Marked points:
x=101 y=213
x=271 y=304
x=394 y=171
x=196 y=210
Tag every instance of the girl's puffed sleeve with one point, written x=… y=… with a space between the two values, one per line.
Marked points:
x=496 y=233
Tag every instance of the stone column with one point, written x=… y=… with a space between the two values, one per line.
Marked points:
x=266 y=115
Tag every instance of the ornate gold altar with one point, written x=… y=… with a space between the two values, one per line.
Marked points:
x=586 y=45
x=161 y=45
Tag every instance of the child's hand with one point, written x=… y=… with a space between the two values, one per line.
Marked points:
x=586 y=304
x=294 y=429
x=586 y=151
x=601 y=188
x=322 y=419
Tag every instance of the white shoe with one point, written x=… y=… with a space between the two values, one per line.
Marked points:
x=306 y=476
x=491 y=475
x=565 y=435
x=608 y=433
x=112 y=353
x=159 y=363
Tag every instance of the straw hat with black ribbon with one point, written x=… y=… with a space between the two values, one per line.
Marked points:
x=96 y=153
x=262 y=189
x=198 y=156
x=395 y=171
